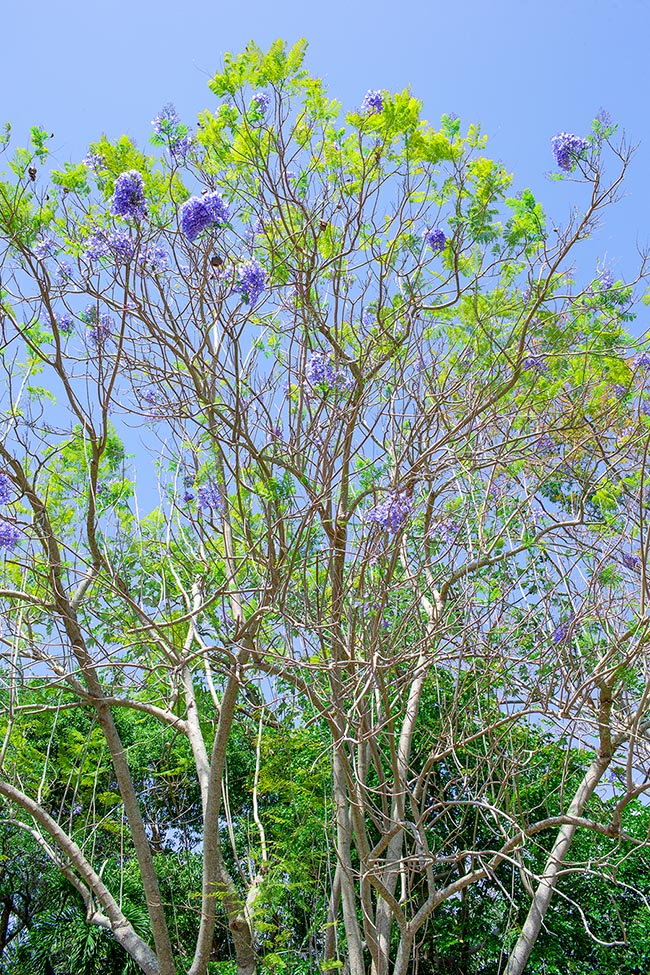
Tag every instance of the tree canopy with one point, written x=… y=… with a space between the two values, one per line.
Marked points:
x=324 y=548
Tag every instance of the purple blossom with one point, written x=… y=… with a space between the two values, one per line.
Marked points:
x=208 y=497
x=620 y=391
x=260 y=104
x=545 y=443
x=65 y=323
x=561 y=632
x=5 y=489
x=369 y=319
x=200 y=212
x=154 y=258
x=99 y=326
x=391 y=514
x=534 y=363
x=45 y=247
x=152 y=400
x=168 y=128
x=94 y=161
x=373 y=102
x=320 y=369
x=435 y=238
x=128 y=196
x=567 y=149
x=446 y=529
x=642 y=361
x=9 y=535
x=606 y=280
x=251 y=281
x=117 y=244
x=166 y=121
x=63 y=275
x=630 y=561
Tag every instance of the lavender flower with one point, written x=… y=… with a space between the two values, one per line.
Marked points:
x=260 y=104
x=45 y=247
x=320 y=369
x=99 y=326
x=369 y=319
x=251 y=281
x=65 y=323
x=63 y=275
x=200 y=212
x=606 y=280
x=166 y=120
x=568 y=149
x=391 y=514
x=94 y=161
x=117 y=244
x=630 y=561
x=373 y=102
x=534 y=363
x=152 y=400
x=208 y=497
x=642 y=361
x=128 y=196
x=561 y=632
x=168 y=128
x=9 y=535
x=5 y=489
x=545 y=443
x=435 y=238
x=155 y=258
x=446 y=530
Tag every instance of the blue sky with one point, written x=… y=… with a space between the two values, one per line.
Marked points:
x=521 y=69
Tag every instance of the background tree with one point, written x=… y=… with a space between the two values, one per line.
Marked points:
x=390 y=451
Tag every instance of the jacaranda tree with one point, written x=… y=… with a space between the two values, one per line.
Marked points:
x=323 y=531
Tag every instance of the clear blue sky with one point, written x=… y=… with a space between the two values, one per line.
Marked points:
x=525 y=70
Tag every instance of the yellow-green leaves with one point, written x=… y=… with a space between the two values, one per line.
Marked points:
x=255 y=68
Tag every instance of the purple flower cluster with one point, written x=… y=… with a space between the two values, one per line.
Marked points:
x=128 y=196
x=63 y=275
x=154 y=258
x=567 y=149
x=251 y=281
x=373 y=102
x=5 y=489
x=642 y=361
x=320 y=371
x=391 y=514
x=435 y=238
x=94 y=161
x=606 y=280
x=9 y=534
x=117 y=244
x=169 y=128
x=260 y=104
x=445 y=530
x=545 y=444
x=45 y=247
x=99 y=326
x=561 y=632
x=65 y=323
x=200 y=212
x=208 y=497
x=151 y=399
x=630 y=561
x=534 y=363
